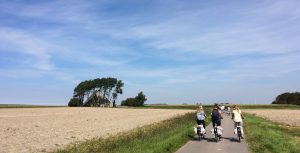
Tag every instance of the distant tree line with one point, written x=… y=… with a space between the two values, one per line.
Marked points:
x=97 y=92
x=288 y=98
x=139 y=100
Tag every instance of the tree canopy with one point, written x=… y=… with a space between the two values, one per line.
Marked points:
x=97 y=92
x=139 y=100
x=288 y=98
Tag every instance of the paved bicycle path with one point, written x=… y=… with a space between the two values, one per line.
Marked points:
x=228 y=143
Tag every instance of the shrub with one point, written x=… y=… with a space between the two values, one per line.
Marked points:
x=139 y=100
x=129 y=102
x=75 y=102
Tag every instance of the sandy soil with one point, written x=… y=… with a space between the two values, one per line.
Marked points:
x=285 y=116
x=47 y=129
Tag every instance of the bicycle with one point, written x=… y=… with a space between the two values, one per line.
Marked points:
x=200 y=132
x=238 y=130
x=217 y=132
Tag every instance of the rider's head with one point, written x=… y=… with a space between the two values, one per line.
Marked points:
x=216 y=106
x=200 y=107
x=235 y=107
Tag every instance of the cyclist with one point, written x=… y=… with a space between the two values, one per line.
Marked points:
x=216 y=116
x=201 y=116
x=237 y=116
x=228 y=109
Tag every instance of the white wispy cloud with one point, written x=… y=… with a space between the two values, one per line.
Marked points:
x=239 y=38
x=14 y=40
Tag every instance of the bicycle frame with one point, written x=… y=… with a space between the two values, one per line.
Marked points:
x=216 y=132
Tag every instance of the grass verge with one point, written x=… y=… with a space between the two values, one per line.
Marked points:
x=193 y=107
x=163 y=137
x=265 y=136
x=242 y=106
x=269 y=106
x=25 y=106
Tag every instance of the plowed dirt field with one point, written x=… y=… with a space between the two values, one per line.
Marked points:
x=284 y=116
x=47 y=129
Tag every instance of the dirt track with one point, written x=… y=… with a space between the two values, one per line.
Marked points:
x=47 y=129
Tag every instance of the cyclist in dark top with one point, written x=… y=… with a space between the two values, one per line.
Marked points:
x=216 y=116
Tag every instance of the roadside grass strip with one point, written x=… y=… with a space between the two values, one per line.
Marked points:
x=268 y=106
x=242 y=106
x=163 y=137
x=25 y=106
x=264 y=136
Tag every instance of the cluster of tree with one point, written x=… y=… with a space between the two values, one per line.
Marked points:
x=288 y=98
x=139 y=100
x=97 y=92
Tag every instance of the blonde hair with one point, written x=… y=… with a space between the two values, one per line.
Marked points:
x=200 y=108
x=237 y=108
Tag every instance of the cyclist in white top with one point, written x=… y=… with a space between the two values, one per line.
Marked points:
x=201 y=116
x=237 y=116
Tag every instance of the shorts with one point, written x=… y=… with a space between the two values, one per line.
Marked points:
x=201 y=122
x=218 y=122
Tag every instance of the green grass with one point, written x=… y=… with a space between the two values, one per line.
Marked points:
x=171 y=107
x=242 y=106
x=163 y=137
x=269 y=106
x=264 y=136
x=24 y=106
x=193 y=107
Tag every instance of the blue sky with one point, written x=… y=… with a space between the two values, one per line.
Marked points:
x=174 y=51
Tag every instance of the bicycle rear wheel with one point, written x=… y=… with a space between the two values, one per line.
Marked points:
x=239 y=133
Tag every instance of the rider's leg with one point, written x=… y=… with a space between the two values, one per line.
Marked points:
x=219 y=123
x=198 y=122
x=203 y=123
x=235 y=129
x=242 y=130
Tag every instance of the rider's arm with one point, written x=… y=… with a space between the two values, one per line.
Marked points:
x=242 y=115
x=220 y=113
